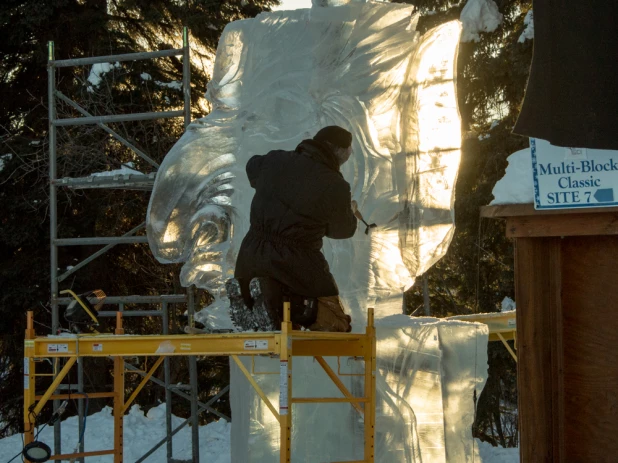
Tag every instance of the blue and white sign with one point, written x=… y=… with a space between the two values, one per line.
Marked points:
x=566 y=178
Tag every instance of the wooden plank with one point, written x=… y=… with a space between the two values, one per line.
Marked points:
x=563 y=225
x=590 y=317
x=535 y=281
x=514 y=210
x=557 y=348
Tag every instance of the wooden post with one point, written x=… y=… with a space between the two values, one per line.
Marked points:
x=119 y=329
x=118 y=397
x=566 y=289
x=285 y=385
x=537 y=280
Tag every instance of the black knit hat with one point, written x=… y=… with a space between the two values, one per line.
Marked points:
x=335 y=135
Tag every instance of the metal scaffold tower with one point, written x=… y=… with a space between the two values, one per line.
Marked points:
x=128 y=182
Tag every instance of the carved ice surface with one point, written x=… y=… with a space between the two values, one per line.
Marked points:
x=277 y=80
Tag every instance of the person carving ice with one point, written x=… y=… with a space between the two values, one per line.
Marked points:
x=300 y=197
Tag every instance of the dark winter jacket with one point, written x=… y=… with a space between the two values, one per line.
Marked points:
x=300 y=197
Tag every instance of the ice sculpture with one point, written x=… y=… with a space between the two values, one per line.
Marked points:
x=429 y=371
x=279 y=78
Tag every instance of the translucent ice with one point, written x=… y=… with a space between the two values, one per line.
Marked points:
x=279 y=78
x=427 y=373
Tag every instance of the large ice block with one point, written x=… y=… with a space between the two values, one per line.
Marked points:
x=279 y=78
x=427 y=373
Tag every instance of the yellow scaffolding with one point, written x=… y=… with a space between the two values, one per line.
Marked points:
x=502 y=327
x=285 y=344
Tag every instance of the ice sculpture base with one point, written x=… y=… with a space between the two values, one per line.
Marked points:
x=427 y=372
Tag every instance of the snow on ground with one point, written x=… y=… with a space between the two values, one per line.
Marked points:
x=479 y=16
x=143 y=431
x=497 y=454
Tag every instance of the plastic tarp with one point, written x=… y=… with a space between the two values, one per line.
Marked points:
x=427 y=373
x=277 y=80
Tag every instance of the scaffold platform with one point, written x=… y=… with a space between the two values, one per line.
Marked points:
x=285 y=344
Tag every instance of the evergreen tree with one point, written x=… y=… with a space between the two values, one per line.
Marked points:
x=477 y=271
x=82 y=28
x=474 y=276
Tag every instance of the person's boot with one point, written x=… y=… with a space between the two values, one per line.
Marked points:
x=242 y=317
x=266 y=295
x=304 y=310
